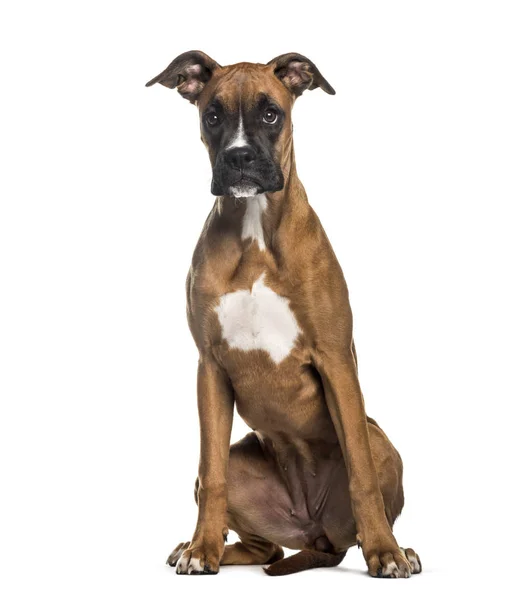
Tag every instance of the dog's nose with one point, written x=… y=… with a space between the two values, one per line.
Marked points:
x=241 y=157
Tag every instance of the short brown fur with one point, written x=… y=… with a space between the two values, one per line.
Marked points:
x=315 y=474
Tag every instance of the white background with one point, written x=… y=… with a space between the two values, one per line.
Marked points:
x=420 y=169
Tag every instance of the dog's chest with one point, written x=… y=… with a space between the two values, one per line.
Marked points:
x=258 y=319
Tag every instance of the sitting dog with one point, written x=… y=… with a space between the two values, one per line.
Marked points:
x=268 y=308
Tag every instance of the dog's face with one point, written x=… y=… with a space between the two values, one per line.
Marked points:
x=245 y=115
x=245 y=125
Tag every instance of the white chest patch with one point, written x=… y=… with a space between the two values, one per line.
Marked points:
x=252 y=223
x=258 y=320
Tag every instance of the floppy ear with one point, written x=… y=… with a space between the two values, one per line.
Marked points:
x=189 y=72
x=298 y=74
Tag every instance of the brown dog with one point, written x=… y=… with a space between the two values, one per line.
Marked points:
x=269 y=311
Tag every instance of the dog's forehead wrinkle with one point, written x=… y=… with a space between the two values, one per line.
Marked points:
x=244 y=83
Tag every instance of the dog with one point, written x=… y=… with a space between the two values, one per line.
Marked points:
x=268 y=308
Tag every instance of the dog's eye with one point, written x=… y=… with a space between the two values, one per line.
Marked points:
x=270 y=116
x=212 y=119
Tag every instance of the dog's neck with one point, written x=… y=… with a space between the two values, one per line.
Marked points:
x=271 y=217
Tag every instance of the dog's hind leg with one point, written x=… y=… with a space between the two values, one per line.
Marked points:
x=251 y=550
x=258 y=506
x=260 y=512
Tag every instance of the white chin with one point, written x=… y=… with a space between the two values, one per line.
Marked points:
x=243 y=191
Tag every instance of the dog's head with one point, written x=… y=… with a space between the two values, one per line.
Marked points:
x=245 y=115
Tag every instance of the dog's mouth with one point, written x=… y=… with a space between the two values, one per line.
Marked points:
x=246 y=179
x=243 y=183
x=244 y=187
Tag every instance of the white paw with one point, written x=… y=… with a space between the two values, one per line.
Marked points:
x=392 y=570
x=194 y=566
x=187 y=565
x=182 y=564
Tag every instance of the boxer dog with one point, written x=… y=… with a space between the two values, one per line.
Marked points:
x=268 y=308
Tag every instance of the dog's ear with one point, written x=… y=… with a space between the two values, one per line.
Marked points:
x=298 y=74
x=189 y=73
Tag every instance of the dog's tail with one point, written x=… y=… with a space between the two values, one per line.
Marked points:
x=306 y=559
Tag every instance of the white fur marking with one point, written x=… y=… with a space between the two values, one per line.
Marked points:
x=239 y=140
x=194 y=565
x=182 y=564
x=258 y=319
x=243 y=190
x=390 y=569
x=252 y=222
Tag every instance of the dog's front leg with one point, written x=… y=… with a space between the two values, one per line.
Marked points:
x=345 y=403
x=215 y=406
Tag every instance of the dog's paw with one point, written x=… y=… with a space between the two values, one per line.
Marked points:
x=392 y=565
x=189 y=559
x=197 y=562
